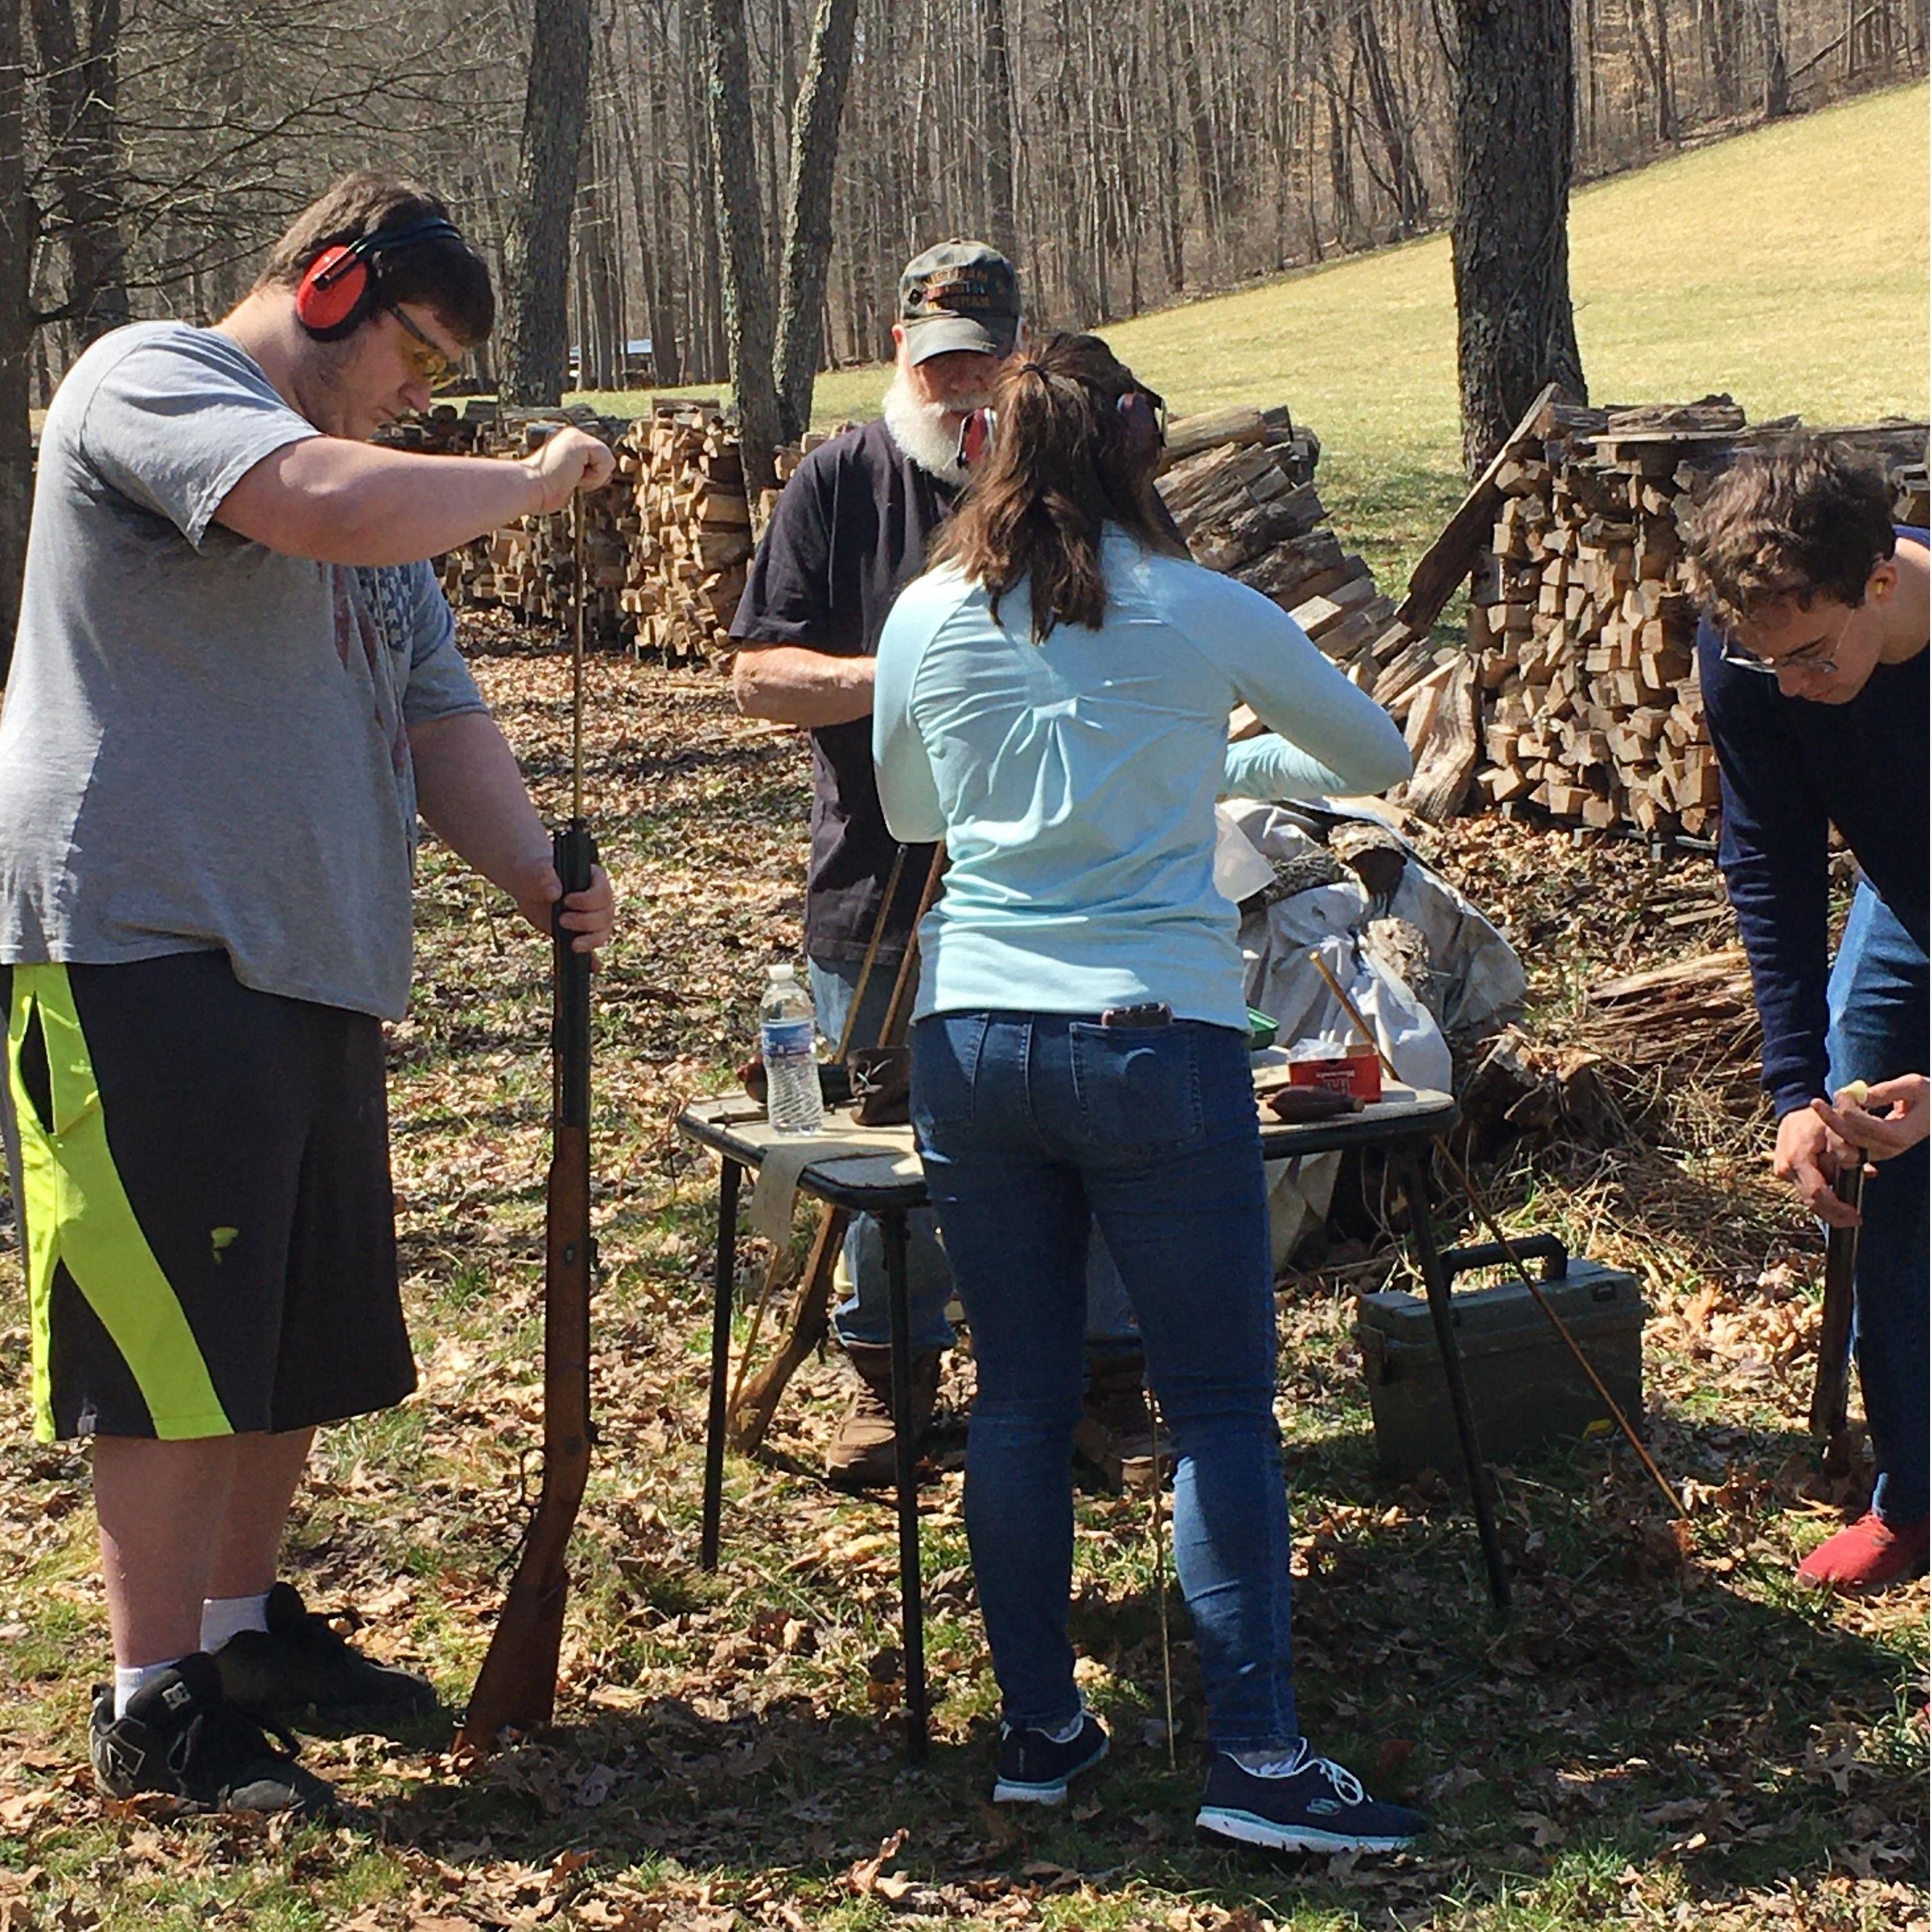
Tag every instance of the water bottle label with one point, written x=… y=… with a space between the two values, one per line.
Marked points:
x=786 y=1040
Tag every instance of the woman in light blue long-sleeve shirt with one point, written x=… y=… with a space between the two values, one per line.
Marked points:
x=1052 y=701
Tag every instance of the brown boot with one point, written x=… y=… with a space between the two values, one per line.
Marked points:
x=1113 y=1433
x=861 y=1456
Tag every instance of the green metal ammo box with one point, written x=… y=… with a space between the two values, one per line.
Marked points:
x=1525 y=1386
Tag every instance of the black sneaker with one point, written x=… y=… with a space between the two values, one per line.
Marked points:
x=179 y=1734
x=298 y=1664
x=1036 y=1769
x=1311 y=1805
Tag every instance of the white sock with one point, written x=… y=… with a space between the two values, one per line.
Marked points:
x=1273 y=1762
x=130 y=1679
x=224 y=1617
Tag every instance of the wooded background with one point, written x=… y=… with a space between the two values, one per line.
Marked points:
x=637 y=162
x=1127 y=157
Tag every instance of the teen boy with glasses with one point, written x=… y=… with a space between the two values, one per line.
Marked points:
x=1813 y=660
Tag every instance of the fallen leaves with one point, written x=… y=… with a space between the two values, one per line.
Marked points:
x=866 y=1876
x=728 y=1755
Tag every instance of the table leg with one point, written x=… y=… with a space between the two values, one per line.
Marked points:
x=905 y=1453
x=1408 y=1164
x=721 y=1361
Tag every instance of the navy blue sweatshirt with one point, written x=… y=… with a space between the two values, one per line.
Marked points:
x=1791 y=769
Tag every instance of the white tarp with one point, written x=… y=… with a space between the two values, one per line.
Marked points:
x=1472 y=977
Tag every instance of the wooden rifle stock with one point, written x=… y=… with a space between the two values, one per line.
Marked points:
x=518 y=1685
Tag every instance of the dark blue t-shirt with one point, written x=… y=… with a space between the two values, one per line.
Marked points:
x=1793 y=768
x=850 y=532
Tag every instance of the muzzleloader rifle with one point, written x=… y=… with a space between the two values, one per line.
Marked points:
x=1831 y=1389
x=516 y=1686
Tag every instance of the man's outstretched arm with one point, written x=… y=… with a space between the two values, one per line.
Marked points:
x=340 y=502
x=792 y=684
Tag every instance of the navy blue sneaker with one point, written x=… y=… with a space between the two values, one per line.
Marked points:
x=1307 y=1804
x=1036 y=1768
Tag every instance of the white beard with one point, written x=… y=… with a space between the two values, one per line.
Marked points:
x=922 y=432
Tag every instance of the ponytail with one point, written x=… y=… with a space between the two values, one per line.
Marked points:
x=1076 y=443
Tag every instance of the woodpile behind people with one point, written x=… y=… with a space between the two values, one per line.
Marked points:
x=1240 y=484
x=1581 y=624
x=668 y=545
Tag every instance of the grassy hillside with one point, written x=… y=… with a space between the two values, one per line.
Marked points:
x=1788 y=266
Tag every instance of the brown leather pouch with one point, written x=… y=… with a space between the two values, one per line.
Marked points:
x=881 y=1085
x=1296 y=1104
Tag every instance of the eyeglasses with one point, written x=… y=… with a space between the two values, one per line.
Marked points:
x=1157 y=402
x=1821 y=655
x=428 y=363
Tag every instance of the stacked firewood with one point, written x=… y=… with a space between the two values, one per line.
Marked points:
x=682 y=469
x=1240 y=485
x=1581 y=622
x=667 y=547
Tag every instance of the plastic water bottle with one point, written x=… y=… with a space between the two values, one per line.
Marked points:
x=788 y=1043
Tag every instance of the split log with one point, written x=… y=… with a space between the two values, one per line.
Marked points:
x=1447 y=752
x=1239 y=485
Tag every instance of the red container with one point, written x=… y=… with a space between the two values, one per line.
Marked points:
x=1359 y=1072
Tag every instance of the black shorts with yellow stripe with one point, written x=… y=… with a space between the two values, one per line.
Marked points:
x=207 y=1223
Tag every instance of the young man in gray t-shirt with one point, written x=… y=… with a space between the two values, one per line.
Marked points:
x=235 y=686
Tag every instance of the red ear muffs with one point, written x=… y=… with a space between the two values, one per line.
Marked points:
x=333 y=296
x=339 y=289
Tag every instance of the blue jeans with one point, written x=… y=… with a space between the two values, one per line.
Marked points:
x=1034 y=1126
x=1877 y=1002
x=863 y=1316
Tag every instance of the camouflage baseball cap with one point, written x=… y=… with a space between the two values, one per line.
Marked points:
x=961 y=295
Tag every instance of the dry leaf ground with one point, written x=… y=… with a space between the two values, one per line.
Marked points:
x=1666 y=1733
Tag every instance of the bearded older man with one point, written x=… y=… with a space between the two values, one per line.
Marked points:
x=850 y=532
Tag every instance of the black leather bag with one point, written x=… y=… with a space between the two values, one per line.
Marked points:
x=881 y=1085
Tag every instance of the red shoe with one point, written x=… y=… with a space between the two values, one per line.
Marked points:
x=1870 y=1554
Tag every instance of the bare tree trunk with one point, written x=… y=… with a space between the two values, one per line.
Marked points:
x=536 y=250
x=1392 y=123
x=1094 y=192
x=808 y=240
x=652 y=210
x=1776 y=73
x=1589 y=117
x=1515 y=87
x=741 y=233
x=1343 y=216
x=1652 y=43
x=996 y=81
x=1173 y=204
x=17 y=240
x=1206 y=168
x=706 y=335
x=83 y=89
x=1722 y=28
